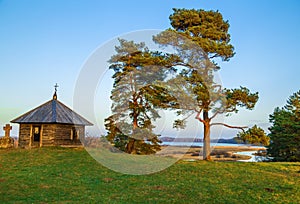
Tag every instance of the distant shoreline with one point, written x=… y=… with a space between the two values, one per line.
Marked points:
x=233 y=140
x=212 y=144
x=218 y=153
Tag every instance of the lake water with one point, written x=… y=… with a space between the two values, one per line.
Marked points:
x=253 y=158
x=200 y=144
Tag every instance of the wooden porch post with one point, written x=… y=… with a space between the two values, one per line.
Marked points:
x=30 y=136
x=41 y=136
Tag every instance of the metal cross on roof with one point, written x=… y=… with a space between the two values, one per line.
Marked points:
x=55 y=86
x=55 y=90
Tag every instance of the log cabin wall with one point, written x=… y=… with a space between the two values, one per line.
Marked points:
x=48 y=134
x=51 y=134
x=24 y=135
x=68 y=134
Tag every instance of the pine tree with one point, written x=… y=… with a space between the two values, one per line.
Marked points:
x=285 y=131
x=137 y=96
x=199 y=37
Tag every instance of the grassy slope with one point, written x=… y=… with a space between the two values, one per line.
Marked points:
x=72 y=176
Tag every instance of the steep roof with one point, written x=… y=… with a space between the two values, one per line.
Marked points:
x=52 y=111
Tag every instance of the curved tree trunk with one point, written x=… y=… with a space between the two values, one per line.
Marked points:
x=206 y=138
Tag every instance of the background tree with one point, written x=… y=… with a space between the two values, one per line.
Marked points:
x=254 y=135
x=200 y=37
x=285 y=131
x=136 y=97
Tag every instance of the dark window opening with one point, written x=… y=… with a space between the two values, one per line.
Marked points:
x=74 y=134
x=36 y=134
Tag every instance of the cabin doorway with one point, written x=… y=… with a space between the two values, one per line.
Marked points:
x=36 y=136
x=74 y=134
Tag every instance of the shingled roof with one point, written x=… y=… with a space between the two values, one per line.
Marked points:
x=52 y=111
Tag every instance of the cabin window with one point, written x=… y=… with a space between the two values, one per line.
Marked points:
x=74 y=134
x=36 y=133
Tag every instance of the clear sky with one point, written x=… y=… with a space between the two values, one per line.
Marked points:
x=47 y=42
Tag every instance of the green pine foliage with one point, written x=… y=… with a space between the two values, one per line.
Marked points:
x=285 y=131
x=207 y=28
x=137 y=96
x=254 y=135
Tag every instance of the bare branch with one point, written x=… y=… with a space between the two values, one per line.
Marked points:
x=188 y=116
x=178 y=64
x=230 y=126
x=200 y=110
x=213 y=56
x=198 y=117
x=218 y=86
x=216 y=113
x=233 y=109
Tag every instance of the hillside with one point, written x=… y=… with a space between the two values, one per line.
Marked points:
x=71 y=176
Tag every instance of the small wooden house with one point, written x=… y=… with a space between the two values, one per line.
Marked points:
x=51 y=124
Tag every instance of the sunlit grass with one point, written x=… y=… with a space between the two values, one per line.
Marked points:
x=64 y=175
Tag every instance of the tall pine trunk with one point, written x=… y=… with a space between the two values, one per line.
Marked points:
x=130 y=148
x=206 y=138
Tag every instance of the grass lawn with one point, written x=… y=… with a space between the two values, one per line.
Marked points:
x=62 y=175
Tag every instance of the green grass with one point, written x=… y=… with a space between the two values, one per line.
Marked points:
x=61 y=175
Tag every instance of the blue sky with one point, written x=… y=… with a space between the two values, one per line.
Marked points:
x=48 y=42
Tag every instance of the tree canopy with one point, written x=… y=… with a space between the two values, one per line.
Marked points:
x=207 y=28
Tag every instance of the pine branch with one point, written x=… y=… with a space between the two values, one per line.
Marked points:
x=216 y=113
x=230 y=126
x=188 y=116
x=198 y=116
x=213 y=56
